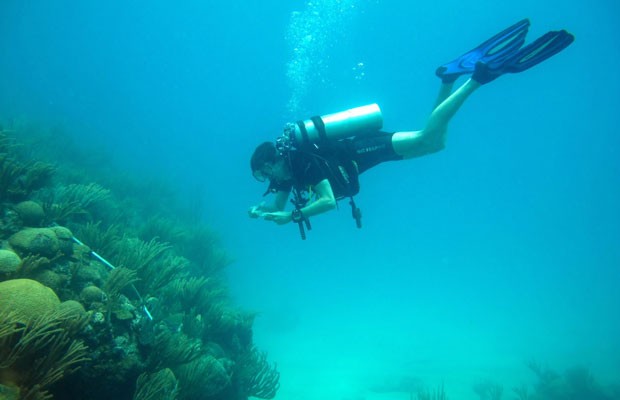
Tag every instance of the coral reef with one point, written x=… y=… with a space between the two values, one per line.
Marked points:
x=103 y=299
x=27 y=299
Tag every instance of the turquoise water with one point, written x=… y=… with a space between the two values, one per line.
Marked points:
x=501 y=249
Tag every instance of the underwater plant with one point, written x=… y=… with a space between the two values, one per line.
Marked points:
x=164 y=228
x=174 y=349
x=136 y=254
x=153 y=262
x=39 y=353
x=160 y=385
x=521 y=393
x=169 y=268
x=74 y=202
x=19 y=180
x=437 y=394
x=575 y=383
x=97 y=238
x=203 y=378
x=117 y=281
x=200 y=245
x=5 y=141
x=256 y=377
x=488 y=390
x=193 y=293
x=229 y=327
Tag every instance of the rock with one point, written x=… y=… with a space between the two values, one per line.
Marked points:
x=40 y=241
x=30 y=212
x=27 y=298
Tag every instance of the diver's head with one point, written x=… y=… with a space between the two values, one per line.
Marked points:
x=267 y=163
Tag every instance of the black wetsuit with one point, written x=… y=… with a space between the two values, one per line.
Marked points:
x=339 y=162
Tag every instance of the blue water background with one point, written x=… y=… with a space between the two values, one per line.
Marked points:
x=502 y=248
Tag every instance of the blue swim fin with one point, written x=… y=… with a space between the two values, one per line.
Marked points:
x=534 y=53
x=496 y=48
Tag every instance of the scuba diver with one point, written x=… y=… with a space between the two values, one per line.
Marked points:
x=319 y=160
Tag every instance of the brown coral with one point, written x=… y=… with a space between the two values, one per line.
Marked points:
x=9 y=262
x=41 y=241
x=65 y=239
x=92 y=294
x=50 y=279
x=26 y=298
x=30 y=212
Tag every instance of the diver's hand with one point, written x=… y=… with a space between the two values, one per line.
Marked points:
x=255 y=212
x=279 y=217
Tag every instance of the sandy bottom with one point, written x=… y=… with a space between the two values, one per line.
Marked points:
x=350 y=364
x=306 y=376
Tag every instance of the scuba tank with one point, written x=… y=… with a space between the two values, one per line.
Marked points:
x=311 y=135
x=340 y=125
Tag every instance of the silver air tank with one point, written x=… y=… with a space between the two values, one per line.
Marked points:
x=353 y=122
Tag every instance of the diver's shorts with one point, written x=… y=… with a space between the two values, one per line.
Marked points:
x=371 y=150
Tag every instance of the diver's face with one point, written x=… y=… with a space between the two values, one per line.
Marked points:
x=264 y=173
x=272 y=171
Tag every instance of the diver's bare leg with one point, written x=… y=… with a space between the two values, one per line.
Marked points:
x=432 y=138
x=444 y=92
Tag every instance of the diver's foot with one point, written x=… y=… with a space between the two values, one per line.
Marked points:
x=533 y=54
x=483 y=74
x=498 y=47
x=448 y=78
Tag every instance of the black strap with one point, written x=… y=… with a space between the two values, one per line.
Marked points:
x=320 y=127
x=304 y=132
x=356 y=213
x=299 y=202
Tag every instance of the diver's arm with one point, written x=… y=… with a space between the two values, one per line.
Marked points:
x=325 y=202
x=278 y=204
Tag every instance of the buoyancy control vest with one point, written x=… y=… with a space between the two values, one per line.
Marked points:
x=327 y=139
